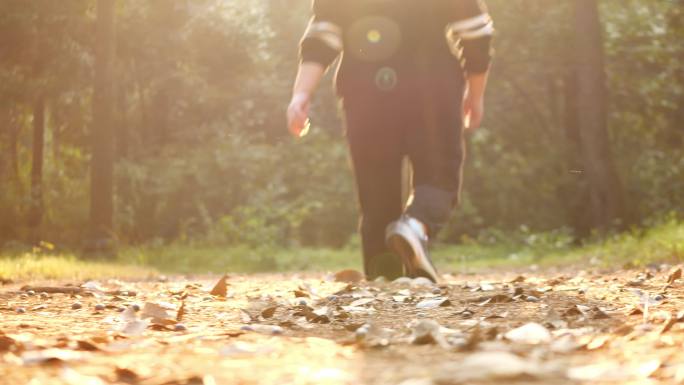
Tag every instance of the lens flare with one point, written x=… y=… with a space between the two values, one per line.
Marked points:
x=374 y=36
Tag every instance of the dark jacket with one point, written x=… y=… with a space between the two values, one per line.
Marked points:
x=395 y=45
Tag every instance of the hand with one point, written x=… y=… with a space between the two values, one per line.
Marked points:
x=298 y=113
x=473 y=111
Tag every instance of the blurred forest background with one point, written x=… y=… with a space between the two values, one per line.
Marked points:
x=182 y=102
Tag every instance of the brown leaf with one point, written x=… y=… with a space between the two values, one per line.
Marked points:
x=269 y=312
x=221 y=287
x=671 y=321
x=349 y=276
x=675 y=275
x=8 y=344
x=346 y=290
x=497 y=298
x=181 y=312
x=126 y=375
x=635 y=311
x=518 y=279
x=573 y=311
x=88 y=346
x=557 y=280
x=597 y=313
x=300 y=294
x=353 y=327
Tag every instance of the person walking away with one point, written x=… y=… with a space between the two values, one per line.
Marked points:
x=412 y=79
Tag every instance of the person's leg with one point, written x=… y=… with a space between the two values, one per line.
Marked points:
x=434 y=142
x=376 y=155
x=436 y=148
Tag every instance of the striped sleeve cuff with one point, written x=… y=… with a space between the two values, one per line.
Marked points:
x=470 y=40
x=322 y=42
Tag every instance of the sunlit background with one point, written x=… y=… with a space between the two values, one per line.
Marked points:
x=201 y=151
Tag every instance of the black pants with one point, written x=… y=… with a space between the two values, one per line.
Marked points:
x=381 y=132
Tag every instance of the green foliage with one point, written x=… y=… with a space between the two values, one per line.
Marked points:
x=203 y=157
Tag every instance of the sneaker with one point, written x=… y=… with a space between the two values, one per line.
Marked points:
x=408 y=239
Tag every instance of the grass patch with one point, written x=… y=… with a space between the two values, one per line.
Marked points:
x=198 y=259
x=31 y=266
x=639 y=247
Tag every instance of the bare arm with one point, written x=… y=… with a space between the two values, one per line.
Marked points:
x=320 y=46
x=470 y=35
x=473 y=103
x=309 y=76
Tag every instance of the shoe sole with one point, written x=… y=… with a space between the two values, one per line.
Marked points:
x=417 y=264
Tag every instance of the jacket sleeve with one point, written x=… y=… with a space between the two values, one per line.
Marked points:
x=322 y=41
x=469 y=34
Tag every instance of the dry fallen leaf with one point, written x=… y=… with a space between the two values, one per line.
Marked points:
x=134 y=327
x=498 y=298
x=221 y=287
x=361 y=302
x=518 y=279
x=158 y=314
x=51 y=356
x=433 y=303
x=671 y=321
x=531 y=334
x=8 y=344
x=598 y=342
x=269 y=312
x=126 y=375
x=675 y=275
x=263 y=329
x=349 y=276
x=181 y=312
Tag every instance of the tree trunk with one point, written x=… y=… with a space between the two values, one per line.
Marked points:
x=4 y=147
x=605 y=203
x=102 y=162
x=35 y=213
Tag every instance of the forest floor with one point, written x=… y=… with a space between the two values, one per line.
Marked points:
x=567 y=326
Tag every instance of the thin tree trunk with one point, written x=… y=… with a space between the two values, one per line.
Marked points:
x=102 y=162
x=14 y=131
x=4 y=147
x=35 y=214
x=605 y=203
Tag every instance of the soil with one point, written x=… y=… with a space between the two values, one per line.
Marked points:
x=562 y=327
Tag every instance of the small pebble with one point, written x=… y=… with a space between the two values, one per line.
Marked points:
x=76 y=306
x=436 y=291
x=658 y=297
x=531 y=298
x=44 y=295
x=20 y=310
x=99 y=307
x=23 y=296
x=120 y=309
x=31 y=292
x=180 y=328
x=135 y=307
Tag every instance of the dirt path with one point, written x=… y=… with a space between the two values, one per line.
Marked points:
x=560 y=328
